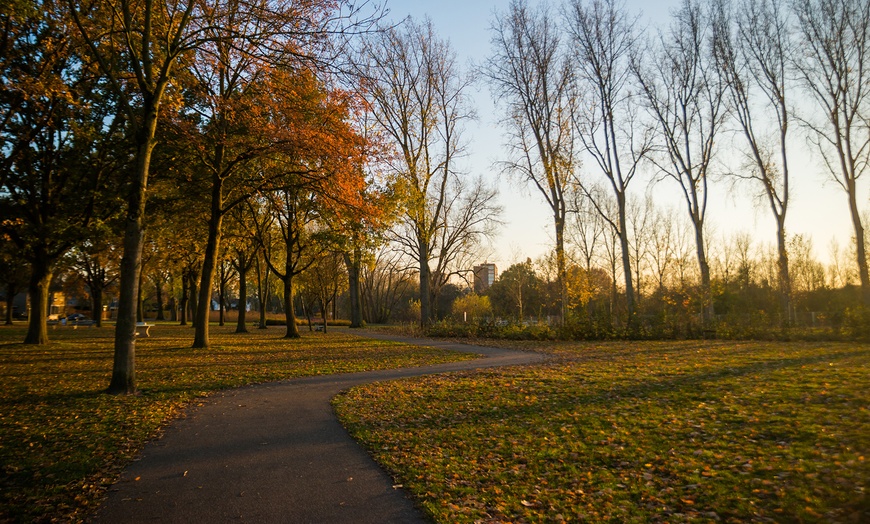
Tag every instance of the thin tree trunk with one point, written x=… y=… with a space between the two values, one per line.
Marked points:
x=10 y=302
x=193 y=295
x=37 y=326
x=860 y=250
x=704 y=267
x=352 y=261
x=140 y=313
x=243 y=296
x=561 y=270
x=783 y=273
x=289 y=314
x=626 y=264
x=184 y=297
x=425 y=294
x=158 y=290
x=209 y=265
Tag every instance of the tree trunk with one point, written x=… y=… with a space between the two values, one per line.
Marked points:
x=860 y=250
x=561 y=270
x=209 y=265
x=97 y=304
x=140 y=313
x=184 y=295
x=243 y=296
x=352 y=261
x=425 y=294
x=124 y=366
x=323 y=306
x=10 y=302
x=626 y=265
x=704 y=267
x=783 y=273
x=173 y=309
x=158 y=291
x=289 y=314
x=40 y=279
x=192 y=300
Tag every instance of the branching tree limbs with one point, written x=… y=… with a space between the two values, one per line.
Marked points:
x=417 y=96
x=835 y=70
x=753 y=56
x=59 y=147
x=685 y=96
x=604 y=39
x=530 y=73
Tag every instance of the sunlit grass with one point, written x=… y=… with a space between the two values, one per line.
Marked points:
x=633 y=432
x=63 y=441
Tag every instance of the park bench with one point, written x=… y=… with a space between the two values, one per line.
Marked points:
x=82 y=323
x=146 y=326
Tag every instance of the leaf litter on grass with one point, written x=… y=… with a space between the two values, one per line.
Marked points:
x=633 y=432
x=63 y=442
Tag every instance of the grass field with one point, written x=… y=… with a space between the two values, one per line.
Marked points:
x=63 y=441
x=633 y=432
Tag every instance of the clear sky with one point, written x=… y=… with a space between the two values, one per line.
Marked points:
x=818 y=206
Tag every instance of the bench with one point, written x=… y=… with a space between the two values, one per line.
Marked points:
x=83 y=323
x=146 y=326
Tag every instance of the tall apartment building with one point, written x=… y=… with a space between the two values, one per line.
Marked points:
x=484 y=275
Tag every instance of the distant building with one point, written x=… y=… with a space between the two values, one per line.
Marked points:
x=484 y=275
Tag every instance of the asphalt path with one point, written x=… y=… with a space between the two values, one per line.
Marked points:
x=275 y=453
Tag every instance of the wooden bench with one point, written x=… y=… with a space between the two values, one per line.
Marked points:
x=82 y=323
x=146 y=326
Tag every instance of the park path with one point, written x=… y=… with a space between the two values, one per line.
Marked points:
x=275 y=453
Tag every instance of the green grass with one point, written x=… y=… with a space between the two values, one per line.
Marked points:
x=63 y=441
x=633 y=432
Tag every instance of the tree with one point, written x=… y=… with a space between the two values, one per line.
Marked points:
x=604 y=39
x=417 y=96
x=324 y=279
x=246 y=53
x=58 y=146
x=754 y=59
x=531 y=75
x=96 y=262
x=386 y=283
x=686 y=99
x=516 y=291
x=138 y=58
x=835 y=69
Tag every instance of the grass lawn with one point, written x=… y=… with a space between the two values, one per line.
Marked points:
x=63 y=441
x=633 y=432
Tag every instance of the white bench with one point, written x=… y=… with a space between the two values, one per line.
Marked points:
x=146 y=326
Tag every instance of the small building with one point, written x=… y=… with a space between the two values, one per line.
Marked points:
x=484 y=276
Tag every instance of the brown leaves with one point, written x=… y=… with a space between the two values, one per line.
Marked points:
x=646 y=432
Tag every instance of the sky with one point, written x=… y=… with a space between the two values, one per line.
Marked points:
x=818 y=207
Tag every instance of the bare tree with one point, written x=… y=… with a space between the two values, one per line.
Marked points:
x=604 y=38
x=417 y=95
x=835 y=68
x=531 y=74
x=385 y=282
x=686 y=98
x=754 y=56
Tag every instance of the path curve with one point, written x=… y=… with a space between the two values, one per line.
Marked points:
x=275 y=453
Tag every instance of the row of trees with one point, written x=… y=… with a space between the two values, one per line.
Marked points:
x=277 y=136
x=189 y=141
x=590 y=99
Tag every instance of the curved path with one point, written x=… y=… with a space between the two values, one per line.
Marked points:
x=275 y=453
